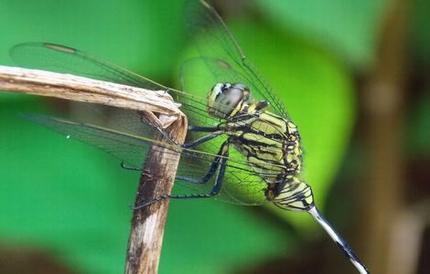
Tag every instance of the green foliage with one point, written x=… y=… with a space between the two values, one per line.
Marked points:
x=143 y=35
x=346 y=28
x=214 y=237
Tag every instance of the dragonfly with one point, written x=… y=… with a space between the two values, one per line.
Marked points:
x=240 y=133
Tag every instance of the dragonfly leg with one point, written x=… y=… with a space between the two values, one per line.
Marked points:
x=203 y=139
x=215 y=189
x=222 y=153
x=211 y=172
x=203 y=129
x=203 y=180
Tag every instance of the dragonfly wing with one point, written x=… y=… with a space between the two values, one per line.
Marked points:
x=64 y=59
x=215 y=41
x=242 y=184
x=127 y=148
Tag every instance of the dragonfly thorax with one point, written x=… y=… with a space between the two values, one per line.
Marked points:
x=225 y=100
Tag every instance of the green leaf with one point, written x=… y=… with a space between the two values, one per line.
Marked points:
x=214 y=237
x=142 y=35
x=347 y=28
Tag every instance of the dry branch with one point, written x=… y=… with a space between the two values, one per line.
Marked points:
x=159 y=109
x=82 y=89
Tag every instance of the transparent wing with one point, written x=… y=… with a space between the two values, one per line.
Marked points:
x=64 y=59
x=225 y=55
x=242 y=184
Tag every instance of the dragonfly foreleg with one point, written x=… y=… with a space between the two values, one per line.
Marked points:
x=212 y=168
x=203 y=180
x=222 y=163
x=203 y=139
x=203 y=129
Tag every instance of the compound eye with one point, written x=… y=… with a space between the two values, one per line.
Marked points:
x=225 y=87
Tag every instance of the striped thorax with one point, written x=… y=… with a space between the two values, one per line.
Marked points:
x=270 y=143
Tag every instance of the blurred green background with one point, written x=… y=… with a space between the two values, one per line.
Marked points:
x=64 y=205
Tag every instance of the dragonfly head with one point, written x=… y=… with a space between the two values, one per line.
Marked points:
x=226 y=99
